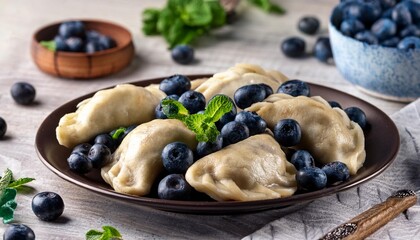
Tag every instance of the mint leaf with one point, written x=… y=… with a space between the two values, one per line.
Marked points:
x=109 y=233
x=5 y=180
x=174 y=109
x=196 y=13
x=217 y=107
x=8 y=204
x=150 y=20
x=118 y=133
x=50 y=45
x=267 y=6
x=205 y=130
x=218 y=14
x=20 y=182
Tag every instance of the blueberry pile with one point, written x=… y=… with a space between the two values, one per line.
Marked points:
x=389 y=23
x=295 y=47
x=74 y=37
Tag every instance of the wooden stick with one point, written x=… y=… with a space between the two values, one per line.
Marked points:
x=374 y=218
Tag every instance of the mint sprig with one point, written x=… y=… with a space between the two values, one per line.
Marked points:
x=50 y=45
x=8 y=194
x=202 y=124
x=268 y=6
x=108 y=233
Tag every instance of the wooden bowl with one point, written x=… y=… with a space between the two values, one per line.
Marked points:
x=83 y=65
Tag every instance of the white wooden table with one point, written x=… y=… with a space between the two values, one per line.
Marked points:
x=254 y=38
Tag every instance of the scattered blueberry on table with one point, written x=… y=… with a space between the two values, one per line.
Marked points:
x=309 y=25
x=23 y=93
x=18 y=232
x=3 y=127
x=47 y=206
x=322 y=49
x=293 y=47
x=183 y=54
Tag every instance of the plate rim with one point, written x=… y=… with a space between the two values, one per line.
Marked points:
x=210 y=207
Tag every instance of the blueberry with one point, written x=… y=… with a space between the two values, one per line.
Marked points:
x=92 y=47
x=174 y=187
x=99 y=155
x=183 y=54
x=23 y=93
x=337 y=16
x=335 y=104
x=107 y=140
x=82 y=148
x=401 y=15
x=268 y=89
x=79 y=163
x=247 y=95
x=72 y=29
x=357 y=115
x=92 y=35
x=193 y=101
x=365 y=12
x=409 y=43
x=336 y=172
x=301 y=159
x=227 y=117
x=366 y=37
x=386 y=4
x=293 y=47
x=387 y=13
x=294 y=88
x=234 y=132
x=253 y=121
x=287 y=132
x=322 y=49
x=129 y=129
x=414 y=8
x=308 y=25
x=205 y=148
x=175 y=84
x=3 y=127
x=60 y=44
x=410 y=30
x=311 y=179
x=384 y=28
x=18 y=232
x=47 y=206
x=391 y=42
x=350 y=27
x=106 y=42
x=177 y=157
x=75 y=44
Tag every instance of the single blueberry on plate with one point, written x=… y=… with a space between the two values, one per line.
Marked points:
x=253 y=121
x=335 y=104
x=107 y=140
x=287 y=132
x=177 y=157
x=183 y=54
x=234 y=132
x=175 y=187
x=75 y=44
x=390 y=42
x=247 y=95
x=410 y=30
x=308 y=25
x=72 y=29
x=311 y=179
x=322 y=49
x=99 y=155
x=336 y=172
x=82 y=148
x=293 y=47
x=193 y=101
x=79 y=163
x=205 y=148
x=18 y=232
x=3 y=127
x=294 y=88
x=350 y=27
x=301 y=159
x=409 y=43
x=128 y=130
x=176 y=84
x=401 y=15
x=23 y=93
x=366 y=37
x=384 y=28
x=268 y=89
x=47 y=206
x=357 y=115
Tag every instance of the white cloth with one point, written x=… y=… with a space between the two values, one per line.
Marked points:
x=322 y=215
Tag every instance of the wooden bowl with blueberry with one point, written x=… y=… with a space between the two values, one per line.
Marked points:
x=82 y=49
x=376 y=46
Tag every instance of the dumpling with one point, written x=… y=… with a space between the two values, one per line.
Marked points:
x=237 y=76
x=137 y=161
x=108 y=109
x=253 y=169
x=327 y=133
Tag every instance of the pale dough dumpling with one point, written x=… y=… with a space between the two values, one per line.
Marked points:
x=123 y=105
x=327 y=133
x=253 y=169
x=137 y=162
x=237 y=76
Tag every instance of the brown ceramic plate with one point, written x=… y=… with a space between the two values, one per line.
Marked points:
x=382 y=144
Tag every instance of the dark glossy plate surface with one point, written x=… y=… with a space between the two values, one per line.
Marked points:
x=382 y=144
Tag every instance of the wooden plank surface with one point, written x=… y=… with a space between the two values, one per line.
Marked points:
x=254 y=38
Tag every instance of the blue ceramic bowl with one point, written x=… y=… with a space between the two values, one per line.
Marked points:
x=383 y=72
